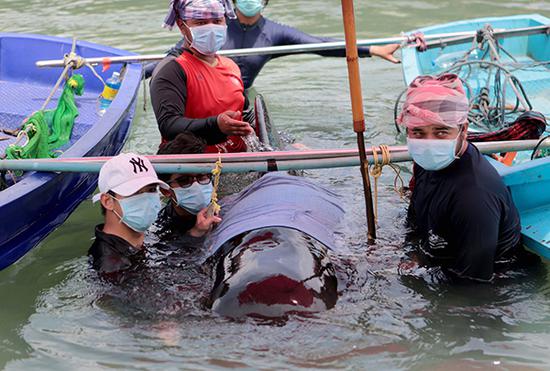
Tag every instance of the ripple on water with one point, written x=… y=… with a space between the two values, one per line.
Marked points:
x=381 y=321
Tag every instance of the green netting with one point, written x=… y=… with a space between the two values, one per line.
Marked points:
x=37 y=132
x=48 y=130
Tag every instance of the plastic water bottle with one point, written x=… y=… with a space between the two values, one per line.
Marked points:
x=447 y=60
x=109 y=92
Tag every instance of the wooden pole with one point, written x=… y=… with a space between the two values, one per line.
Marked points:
x=357 y=110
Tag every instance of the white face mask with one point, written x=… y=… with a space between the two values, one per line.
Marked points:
x=208 y=39
x=194 y=198
x=433 y=154
x=139 y=212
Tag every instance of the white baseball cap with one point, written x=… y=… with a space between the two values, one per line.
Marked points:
x=126 y=174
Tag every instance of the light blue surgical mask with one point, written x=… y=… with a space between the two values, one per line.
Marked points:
x=432 y=154
x=140 y=211
x=208 y=39
x=195 y=197
x=249 y=8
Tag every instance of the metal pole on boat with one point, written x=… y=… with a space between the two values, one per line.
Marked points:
x=268 y=50
x=249 y=161
x=357 y=110
x=449 y=38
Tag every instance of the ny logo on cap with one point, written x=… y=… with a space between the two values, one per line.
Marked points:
x=139 y=165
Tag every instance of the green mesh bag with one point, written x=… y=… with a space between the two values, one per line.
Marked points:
x=48 y=130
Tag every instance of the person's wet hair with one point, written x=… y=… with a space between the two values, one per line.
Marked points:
x=183 y=143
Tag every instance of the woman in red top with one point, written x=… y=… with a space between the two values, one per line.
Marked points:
x=201 y=92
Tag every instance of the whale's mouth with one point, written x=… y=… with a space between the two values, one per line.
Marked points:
x=278 y=289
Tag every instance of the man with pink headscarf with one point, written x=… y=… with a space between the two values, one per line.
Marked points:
x=460 y=208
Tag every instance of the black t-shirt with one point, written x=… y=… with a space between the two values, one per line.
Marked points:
x=465 y=216
x=170 y=226
x=117 y=260
x=110 y=255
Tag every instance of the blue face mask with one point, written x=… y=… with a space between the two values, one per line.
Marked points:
x=209 y=38
x=140 y=211
x=194 y=198
x=432 y=154
x=249 y=8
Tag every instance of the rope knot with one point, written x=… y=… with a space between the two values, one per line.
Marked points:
x=73 y=60
x=418 y=39
x=378 y=165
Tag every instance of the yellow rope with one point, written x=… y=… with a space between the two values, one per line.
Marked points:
x=376 y=171
x=214 y=208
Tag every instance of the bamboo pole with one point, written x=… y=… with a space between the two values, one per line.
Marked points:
x=357 y=110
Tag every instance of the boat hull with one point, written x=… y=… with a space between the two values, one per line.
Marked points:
x=39 y=202
x=529 y=183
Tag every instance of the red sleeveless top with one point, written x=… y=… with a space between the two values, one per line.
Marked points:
x=211 y=91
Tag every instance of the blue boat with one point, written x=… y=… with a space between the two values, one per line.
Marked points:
x=529 y=184
x=504 y=62
x=39 y=202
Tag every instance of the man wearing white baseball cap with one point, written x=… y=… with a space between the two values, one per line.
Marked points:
x=130 y=203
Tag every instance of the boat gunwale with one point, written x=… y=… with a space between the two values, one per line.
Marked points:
x=411 y=66
x=97 y=131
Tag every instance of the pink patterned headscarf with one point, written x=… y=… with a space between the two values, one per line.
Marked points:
x=435 y=101
x=198 y=9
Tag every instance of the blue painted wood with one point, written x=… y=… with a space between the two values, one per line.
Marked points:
x=40 y=202
x=529 y=184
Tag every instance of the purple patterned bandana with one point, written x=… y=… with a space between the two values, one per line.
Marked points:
x=198 y=9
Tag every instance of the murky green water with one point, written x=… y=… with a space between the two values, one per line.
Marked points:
x=54 y=315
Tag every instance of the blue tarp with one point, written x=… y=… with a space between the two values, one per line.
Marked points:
x=279 y=200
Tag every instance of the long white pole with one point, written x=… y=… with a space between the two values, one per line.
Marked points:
x=277 y=160
x=294 y=49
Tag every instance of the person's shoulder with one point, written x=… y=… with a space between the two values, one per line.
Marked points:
x=484 y=174
x=98 y=241
x=168 y=67
x=168 y=62
x=104 y=250
x=268 y=23
x=229 y=64
x=226 y=61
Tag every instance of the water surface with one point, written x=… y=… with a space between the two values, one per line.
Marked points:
x=54 y=314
